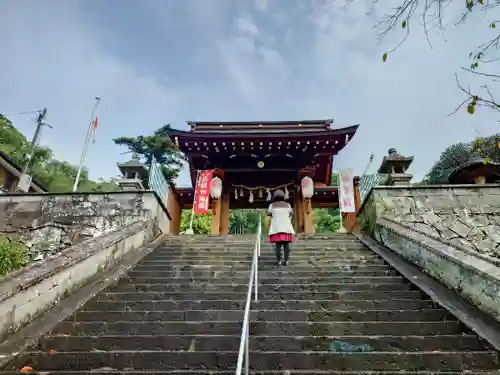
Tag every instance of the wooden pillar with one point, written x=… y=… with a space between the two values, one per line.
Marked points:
x=308 y=216
x=350 y=218
x=175 y=210
x=306 y=204
x=216 y=206
x=297 y=216
x=216 y=214
x=224 y=220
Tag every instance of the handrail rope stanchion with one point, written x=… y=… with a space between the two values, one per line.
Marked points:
x=243 y=353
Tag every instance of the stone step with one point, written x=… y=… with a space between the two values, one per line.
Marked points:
x=214 y=280
x=269 y=294
x=225 y=272
x=259 y=328
x=263 y=262
x=110 y=371
x=264 y=244
x=262 y=315
x=338 y=245
x=126 y=287
x=346 y=256
x=200 y=343
x=265 y=247
x=138 y=360
x=277 y=305
x=245 y=267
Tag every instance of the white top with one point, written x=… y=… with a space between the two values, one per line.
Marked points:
x=281 y=221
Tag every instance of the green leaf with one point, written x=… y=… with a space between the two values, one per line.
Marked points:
x=493 y=25
x=403 y=24
x=384 y=57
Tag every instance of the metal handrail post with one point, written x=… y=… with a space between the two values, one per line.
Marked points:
x=244 y=349
x=247 y=356
x=246 y=325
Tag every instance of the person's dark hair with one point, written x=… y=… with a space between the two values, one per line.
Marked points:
x=278 y=196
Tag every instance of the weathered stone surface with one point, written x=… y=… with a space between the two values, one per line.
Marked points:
x=26 y=294
x=470 y=274
x=49 y=223
x=464 y=216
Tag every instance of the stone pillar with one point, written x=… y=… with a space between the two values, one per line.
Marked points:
x=224 y=220
x=480 y=180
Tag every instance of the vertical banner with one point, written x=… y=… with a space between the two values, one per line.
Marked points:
x=202 y=192
x=346 y=191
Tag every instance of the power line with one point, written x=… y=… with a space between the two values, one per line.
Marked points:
x=21 y=113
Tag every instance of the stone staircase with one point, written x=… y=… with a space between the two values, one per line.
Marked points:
x=338 y=309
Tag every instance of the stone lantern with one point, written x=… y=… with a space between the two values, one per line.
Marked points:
x=134 y=173
x=477 y=171
x=395 y=167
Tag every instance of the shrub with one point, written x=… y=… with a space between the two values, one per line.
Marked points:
x=13 y=255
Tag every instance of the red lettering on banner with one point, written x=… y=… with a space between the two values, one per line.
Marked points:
x=348 y=202
x=202 y=192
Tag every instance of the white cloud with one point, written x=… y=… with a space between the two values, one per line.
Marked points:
x=58 y=63
x=261 y=5
x=195 y=61
x=247 y=26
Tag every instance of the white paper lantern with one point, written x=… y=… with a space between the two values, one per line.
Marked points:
x=216 y=188
x=307 y=187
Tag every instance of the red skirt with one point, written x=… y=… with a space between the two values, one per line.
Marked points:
x=280 y=237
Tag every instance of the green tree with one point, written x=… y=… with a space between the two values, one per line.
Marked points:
x=158 y=145
x=55 y=175
x=326 y=219
x=430 y=15
x=237 y=222
x=450 y=158
x=202 y=224
x=459 y=153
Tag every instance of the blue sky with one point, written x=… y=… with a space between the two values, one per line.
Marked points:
x=169 y=61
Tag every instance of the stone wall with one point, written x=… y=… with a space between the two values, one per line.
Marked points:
x=28 y=293
x=465 y=216
x=48 y=223
x=450 y=232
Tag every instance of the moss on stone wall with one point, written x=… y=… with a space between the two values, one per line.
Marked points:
x=13 y=255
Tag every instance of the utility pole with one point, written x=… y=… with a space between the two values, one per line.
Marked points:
x=25 y=179
x=34 y=143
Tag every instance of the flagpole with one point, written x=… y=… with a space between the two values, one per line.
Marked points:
x=86 y=144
